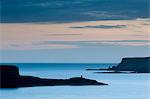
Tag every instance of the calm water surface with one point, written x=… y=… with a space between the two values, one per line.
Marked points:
x=121 y=86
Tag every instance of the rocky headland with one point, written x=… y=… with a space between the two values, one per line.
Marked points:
x=131 y=65
x=10 y=78
x=139 y=65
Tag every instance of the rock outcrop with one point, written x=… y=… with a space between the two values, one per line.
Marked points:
x=29 y=81
x=128 y=65
x=139 y=65
x=10 y=78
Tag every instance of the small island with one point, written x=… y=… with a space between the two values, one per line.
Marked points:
x=129 y=65
x=10 y=78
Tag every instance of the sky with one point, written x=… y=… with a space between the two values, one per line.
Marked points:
x=74 y=31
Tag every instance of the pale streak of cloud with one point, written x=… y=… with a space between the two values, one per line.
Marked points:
x=24 y=35
x=39 y=47
x=125 y=42
x=93 y=44
x=130 y=43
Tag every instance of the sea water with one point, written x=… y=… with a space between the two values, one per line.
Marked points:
x=121 y=86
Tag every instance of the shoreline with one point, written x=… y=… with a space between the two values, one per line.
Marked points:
x=10 y=78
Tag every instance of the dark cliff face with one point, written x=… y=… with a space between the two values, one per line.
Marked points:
x=140 y=65
x=8 y=76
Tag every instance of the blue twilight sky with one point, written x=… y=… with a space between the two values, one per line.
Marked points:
x=72 y=10
x=68 y=31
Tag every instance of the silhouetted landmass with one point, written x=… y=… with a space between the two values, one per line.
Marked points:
x=139 y=65
x=115 y=72
x=134 y=65
x=10 y=78
x=96 y=69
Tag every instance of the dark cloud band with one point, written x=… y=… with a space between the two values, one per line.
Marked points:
x=72 y=10
x=101 y=26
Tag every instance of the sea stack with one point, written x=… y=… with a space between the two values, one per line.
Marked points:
x=9 y=76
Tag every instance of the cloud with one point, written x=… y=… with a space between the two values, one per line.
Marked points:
x=97 y=44
x=137 y=35
x=39 y=36
x=102 y=26
x=72 y=10
x=16 y=45
x=38 y=46
x=127 y=41
x=61 y=34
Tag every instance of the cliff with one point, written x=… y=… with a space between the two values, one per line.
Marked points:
x=10 y=78
x=139 y=65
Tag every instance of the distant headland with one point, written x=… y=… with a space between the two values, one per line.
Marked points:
x=134 y=65
x=10 y=78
